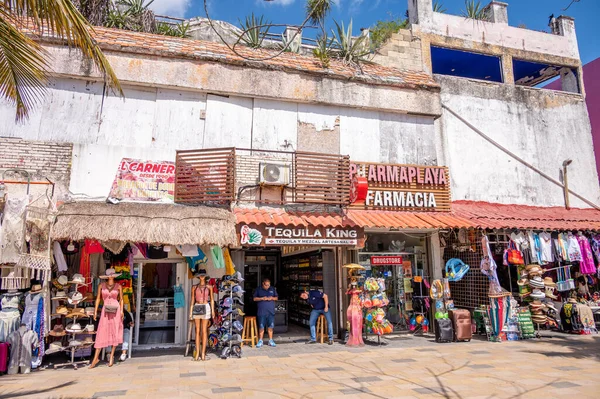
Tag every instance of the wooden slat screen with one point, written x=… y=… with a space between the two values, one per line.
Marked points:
x=205 y=176
x=321 y=178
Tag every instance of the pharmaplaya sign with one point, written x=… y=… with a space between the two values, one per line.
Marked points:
x=253 y=235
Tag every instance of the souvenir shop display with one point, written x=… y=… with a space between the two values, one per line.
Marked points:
x=577 y=318
x=229 y=329
x=23 y=343
x=71 y=309
x=374 y=302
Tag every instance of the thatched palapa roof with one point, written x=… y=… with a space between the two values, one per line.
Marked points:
x=150 y=223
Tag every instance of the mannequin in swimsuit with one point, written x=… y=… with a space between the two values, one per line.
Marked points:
x=202 y=295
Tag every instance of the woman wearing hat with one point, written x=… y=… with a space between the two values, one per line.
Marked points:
x=201 y=310
x=110 y=327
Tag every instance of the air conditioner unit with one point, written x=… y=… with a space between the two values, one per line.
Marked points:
x=277 y=174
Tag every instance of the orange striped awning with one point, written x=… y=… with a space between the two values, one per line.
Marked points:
x=277 y=216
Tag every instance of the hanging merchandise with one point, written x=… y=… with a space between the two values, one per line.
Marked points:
x=513 y=255
x=436 y=291
x=217 y=257
x=12 y=228
x=10 y=317
x=197 y=262
x=456 y=269
x=375 y=320
x=564 y=281
x=489 y=267
x=574 y=249
x=178 y=297
x=545 y=240
x=229 y=266
x=586 y=266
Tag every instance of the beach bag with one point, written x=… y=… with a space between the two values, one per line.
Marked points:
x=513 y=255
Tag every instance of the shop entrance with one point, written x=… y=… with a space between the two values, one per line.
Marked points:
x=256 y=268
x=157 y=321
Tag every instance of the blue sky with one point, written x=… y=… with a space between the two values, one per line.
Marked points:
x=533 y=13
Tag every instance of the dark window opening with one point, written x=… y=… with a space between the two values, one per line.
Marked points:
x=553 y=77
x=465 y=64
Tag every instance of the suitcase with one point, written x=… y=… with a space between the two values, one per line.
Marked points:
x=3 y=357
x=461 y=321
x=443 y=330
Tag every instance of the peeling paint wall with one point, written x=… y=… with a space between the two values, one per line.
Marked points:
x=541 y=126
x=151 y=123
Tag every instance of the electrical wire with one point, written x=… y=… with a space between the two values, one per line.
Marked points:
x=244 y=32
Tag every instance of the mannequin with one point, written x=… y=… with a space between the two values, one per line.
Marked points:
x=10 y=317
x=110 y=327
x=202 y=309
x=354 y=314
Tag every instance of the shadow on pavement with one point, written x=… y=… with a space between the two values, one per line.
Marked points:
x=35 y=392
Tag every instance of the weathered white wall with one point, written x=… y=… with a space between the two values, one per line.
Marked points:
x=542 y=126
x=151 y=123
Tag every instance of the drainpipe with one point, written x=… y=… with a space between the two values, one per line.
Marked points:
x=566 y=182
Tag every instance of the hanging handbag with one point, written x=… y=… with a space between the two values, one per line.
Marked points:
x=110 y=308
x=514 y=256
x=199 y=309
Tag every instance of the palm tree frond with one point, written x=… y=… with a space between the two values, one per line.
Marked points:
x=62 y=19
x=22 y=68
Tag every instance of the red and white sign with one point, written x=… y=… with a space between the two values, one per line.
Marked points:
x=138 y=180
x=386 y=260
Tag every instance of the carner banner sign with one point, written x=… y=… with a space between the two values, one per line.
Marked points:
x=138 y=180
x=399 y=187
x=259 y=235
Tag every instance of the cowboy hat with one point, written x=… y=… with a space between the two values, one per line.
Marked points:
x=548 y=282
x=550 y=293
x=110 y=273
x=61 y=282
x=77 y=279
x=35 y=288
x=75 y=297
x=538 y=294
x=57 y=331
x=77 y=312
x=60 y=294
x=89 y=327
x=54 y=347
x=523 y=281
x=75 y=327
x=62 y=310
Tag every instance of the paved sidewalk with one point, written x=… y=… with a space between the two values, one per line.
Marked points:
x=408 y=367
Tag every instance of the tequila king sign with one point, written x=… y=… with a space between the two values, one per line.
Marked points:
x=399 y=187
x=259 y=235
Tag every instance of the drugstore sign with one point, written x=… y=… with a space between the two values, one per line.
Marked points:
x=399 y=187
x=259 y=235
x=386 y=260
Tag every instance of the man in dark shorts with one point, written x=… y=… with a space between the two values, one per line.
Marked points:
x=319 y=303
x=265 y=297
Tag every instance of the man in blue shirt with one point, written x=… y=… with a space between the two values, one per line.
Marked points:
x=265 y=297
x=320 y=306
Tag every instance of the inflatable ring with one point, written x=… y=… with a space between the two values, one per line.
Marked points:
x=456 y=269
x=437 y=289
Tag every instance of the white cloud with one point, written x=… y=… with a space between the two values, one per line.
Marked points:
x=171 y=8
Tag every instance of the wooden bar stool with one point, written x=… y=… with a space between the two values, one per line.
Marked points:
x=190 y=337
x=250 y=333
x=322 y=328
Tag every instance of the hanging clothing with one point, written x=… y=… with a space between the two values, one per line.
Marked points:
x=30 y=314
x=12 y=228
x=178 y=297
x=587 y=265
x=110 y=327
x=229 y=266
x=59 y=257
x=546 y=253
x=10 y=317
x=355 y=317
x=198 y=262
x=574 y=249
x=149 y=274
x=532 y=246
x=22 y=342
x=188 y=250
x=93 y=247
x=563 y=243
x=595 y=244
x=157 y=252
x=217 y=257
x=84 y=269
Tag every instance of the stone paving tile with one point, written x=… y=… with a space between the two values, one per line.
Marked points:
x=403 y=360
x=327 y=369
x=568 y=368
x=564 y=384
x=156 y=366
x=354 y=391
x=226 y=390
x=479 y=352
x=198 y=374
x=480 y=366
x=106 y=394
x=366 y=379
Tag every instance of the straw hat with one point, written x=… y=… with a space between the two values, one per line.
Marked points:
x=36 y=288
x=55 y=346
x=548 y=282
x=57 y=331
x=110 y=273
x=60 y=295
x=354 y=266
x=523 y=281
x=538 y=294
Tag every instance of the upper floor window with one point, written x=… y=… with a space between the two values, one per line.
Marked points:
x=553 y=77
x=465 y=64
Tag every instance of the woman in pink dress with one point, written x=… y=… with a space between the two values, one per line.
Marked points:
x=355 y=316
x=110 y=327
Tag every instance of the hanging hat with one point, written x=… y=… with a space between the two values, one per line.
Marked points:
x=57 y=331
x=75 y=297
x=77 y=279
x=62 y=310
x=36 y=288
x=110 y=273
x=75 y=327
x=60 y=295
x=548 y=282
x=538 y=294
x=54 y=347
